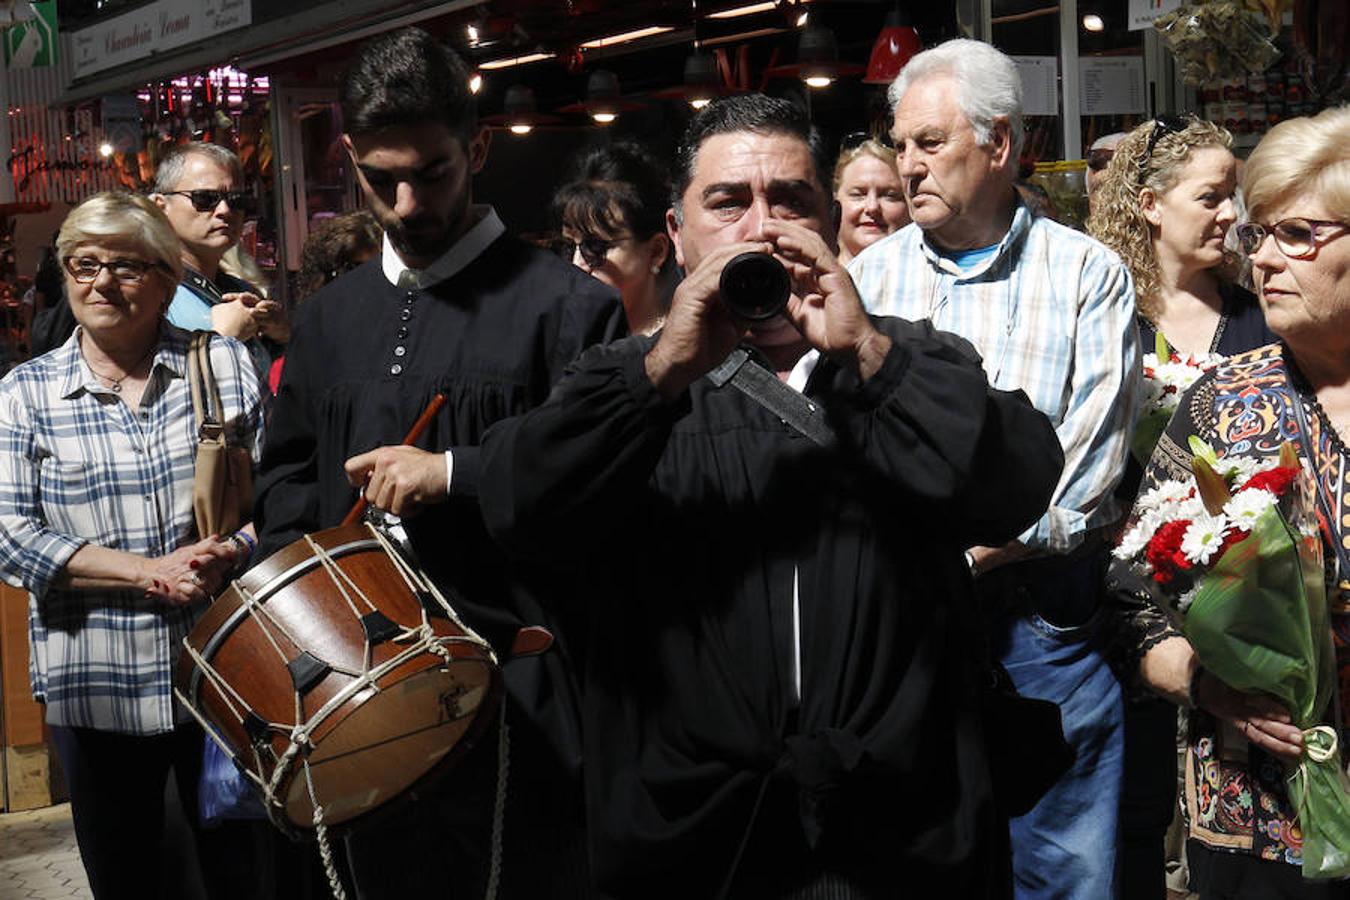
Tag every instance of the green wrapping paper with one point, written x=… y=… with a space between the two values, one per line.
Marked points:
x=1259 y=623
x=1148 y=430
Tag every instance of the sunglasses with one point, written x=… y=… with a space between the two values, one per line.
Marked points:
x=594 y=250
x=85 y=269
x=1295 y=238
x=855 y=139
x=208 y=200
x=1098 y=160
x=1162 y=126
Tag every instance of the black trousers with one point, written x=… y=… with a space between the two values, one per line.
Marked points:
x=1216 y=875
x=117 y=784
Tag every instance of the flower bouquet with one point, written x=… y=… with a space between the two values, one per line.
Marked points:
x=1236 y=553
x=1167 y=375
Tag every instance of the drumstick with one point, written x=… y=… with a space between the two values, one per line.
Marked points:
x=411 y=437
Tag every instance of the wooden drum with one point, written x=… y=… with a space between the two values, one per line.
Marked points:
x=338 y=676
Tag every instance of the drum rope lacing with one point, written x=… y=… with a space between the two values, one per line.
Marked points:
x=424 y=639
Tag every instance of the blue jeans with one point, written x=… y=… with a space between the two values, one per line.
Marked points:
x=1066 y=846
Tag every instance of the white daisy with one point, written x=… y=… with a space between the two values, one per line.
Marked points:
x=1166 y=492
x=1203 y=537
x=1241 y=468
x=1137 y=538
x=1247 y=506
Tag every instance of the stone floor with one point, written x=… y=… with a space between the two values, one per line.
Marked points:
x=38 y=858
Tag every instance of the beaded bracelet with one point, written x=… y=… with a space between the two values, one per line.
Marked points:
x=245 y=546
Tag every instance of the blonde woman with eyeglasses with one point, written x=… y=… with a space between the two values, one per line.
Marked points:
x=1244 y=835
x=97 y=445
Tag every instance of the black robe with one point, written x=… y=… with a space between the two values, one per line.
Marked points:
x=494 y=337
x=688 y=519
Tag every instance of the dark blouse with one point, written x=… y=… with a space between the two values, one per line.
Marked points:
x=1242 y=327
x=694 y=523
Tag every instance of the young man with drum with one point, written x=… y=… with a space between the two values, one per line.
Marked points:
x=452 y=306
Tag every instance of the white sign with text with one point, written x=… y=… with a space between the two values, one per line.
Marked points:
x=154 y=28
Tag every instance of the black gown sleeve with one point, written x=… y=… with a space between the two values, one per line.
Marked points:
x=982 y=461
x=591 y=317
x=286 y=501
x=927 y=425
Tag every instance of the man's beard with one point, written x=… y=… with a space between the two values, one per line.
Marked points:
x=419 y=239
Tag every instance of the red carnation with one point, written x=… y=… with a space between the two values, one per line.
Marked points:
x=1275 y=480
x=1164 y=550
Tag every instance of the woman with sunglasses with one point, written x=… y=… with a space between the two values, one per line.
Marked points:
x=613 y=216
x=1244 y=837
x=869 y=193
x=97 y=443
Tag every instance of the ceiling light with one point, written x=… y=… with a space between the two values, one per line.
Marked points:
x=801 y=20
x=894 y=46
x=472 y=32
x=507 y=62
x=743 y=11
x=475 y=83
x=520 y=128
x=105 y=149
x=818 y=81
x=604 y=118
x=700 y=102
x=626 y=36
x=1093 y=22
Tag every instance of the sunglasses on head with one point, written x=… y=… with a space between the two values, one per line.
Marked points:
x=1098 y=160
x=203 y=200
x=855 y=139
x=1162 y=126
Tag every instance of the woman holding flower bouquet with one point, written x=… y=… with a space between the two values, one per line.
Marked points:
x=1165 y=204
x=1220 y=571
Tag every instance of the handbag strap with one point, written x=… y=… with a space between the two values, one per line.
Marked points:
x=206 y=404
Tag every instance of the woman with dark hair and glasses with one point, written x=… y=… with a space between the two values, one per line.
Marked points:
x=97 y=449
x=1165 y=204
x=869 y=193
x=1244 y=839
x=613 y=222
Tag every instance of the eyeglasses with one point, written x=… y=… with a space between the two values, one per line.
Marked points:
x=594 y=250
x=207 y=200
x=1098 y=160
x=1162 y=126
x=1295 y=238
x=85 y=269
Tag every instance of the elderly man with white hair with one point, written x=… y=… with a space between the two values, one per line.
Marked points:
x=1051 y=312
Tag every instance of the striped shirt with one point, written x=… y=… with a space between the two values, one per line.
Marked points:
x=1052 y=313
x=77 y=466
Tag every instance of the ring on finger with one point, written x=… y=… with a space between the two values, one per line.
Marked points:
x=196 y=579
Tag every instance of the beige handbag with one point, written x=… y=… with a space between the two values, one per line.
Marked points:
x=222 y=490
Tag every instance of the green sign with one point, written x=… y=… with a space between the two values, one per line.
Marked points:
x=32 y=44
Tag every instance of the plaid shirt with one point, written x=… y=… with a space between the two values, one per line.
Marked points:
x=77 y=466
x=1052 y=313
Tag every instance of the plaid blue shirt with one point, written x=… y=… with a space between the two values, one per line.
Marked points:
x=1052 y=313
x=77 y=466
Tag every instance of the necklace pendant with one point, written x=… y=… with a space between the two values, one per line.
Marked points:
x=117 y=387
